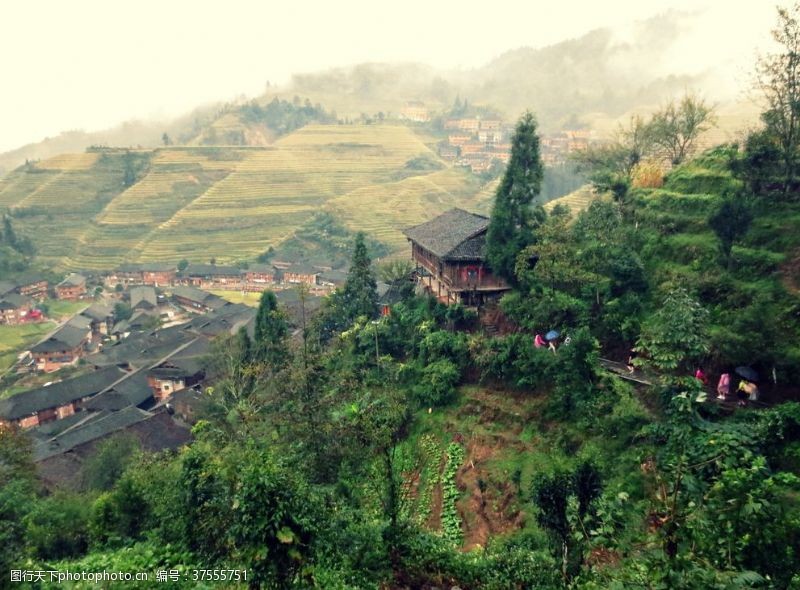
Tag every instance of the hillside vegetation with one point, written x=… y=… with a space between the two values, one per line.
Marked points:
x=231 y=203
x=417 y=449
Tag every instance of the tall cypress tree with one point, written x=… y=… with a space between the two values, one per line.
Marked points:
x=271 y=331
x=8 y=234
x=360 y=294
x=511 y=224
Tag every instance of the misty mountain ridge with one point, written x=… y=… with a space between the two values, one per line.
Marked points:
x=597 y=76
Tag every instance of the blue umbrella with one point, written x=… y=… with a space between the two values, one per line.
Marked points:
x=552 y=335
x=747 y=373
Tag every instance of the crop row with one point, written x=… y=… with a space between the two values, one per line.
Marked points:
x=451 y=521
x=429 y=477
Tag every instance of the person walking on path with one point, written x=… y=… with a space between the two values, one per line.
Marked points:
x=631 y=357
x=700 y=375
x=724 y=386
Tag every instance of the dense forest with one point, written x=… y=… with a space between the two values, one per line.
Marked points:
x=315 y=455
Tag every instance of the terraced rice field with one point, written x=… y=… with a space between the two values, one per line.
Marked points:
x=54 y=208
x=384 y=210
x=229 y=202
x=577 y=201
x=271 y=191
x=82 y=161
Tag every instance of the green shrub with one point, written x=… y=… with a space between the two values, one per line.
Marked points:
x=754 y=262
x=543 y=311
x=58 y=526
x=437 y=385
x=443 y=345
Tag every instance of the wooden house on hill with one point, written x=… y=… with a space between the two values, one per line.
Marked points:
x=449 y=252
x=301 y=273
x=63 y=347
x=102 y=318
x=71 y=288
x=33 y=286
x=14 y=308
x=211 y=276
x=158 y=274
x=258 y=276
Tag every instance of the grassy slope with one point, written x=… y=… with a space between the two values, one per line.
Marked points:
x=227 y=202
x=14 y=339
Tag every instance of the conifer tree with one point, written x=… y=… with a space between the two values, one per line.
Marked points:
x=269 y=343
x=511 y=225
x=360 y=295
x=8 y=234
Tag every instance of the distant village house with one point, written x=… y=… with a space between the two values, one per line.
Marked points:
x=62 y=348
x=54 y=402
x=416 y=111
x=15 y=309
x=299 y=273
x=71 y=288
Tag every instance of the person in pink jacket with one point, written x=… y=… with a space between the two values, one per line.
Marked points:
x=539 y=342
x=724 y=386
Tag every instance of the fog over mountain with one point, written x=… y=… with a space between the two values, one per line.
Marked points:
x=564 y=66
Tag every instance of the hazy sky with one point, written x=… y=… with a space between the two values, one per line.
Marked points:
x=89 y=64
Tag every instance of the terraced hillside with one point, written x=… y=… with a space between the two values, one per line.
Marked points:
x=577 y=200
x=230 y=203
x=54 y=202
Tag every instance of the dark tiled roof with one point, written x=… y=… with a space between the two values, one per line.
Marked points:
x=199 y=296
x=142 y=317
x=302 y=269
x=157 y=266
x=54 y=428
x=121 y=327
x=177 y=368
x=145 y=295
x=200 y=348
x=92 y=430
x=337 y=277
x=393 y=294
x=65 y=338
x=29 y=279
x=28 y=402
x=147 y=267
x=98 y=312
x=80 y=321
x=472 y=249
x=13 y=301
x=142 y=348
x=225 y=319
x=445 y=235
x=133 y=391
x=210 y=270
x=7 y=287
x=261 y=268
x=109 y=401
x=73 y=280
